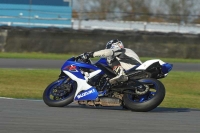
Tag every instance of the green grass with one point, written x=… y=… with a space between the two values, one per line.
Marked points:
x=182 y=88
x=66 y=56
x=172 y=60
x=34 y=55
x=29 y=83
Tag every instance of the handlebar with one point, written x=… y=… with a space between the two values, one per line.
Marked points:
x=83 y=58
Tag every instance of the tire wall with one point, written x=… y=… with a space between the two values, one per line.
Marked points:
x=145 y=44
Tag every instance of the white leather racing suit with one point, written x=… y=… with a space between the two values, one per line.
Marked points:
x=119 y=60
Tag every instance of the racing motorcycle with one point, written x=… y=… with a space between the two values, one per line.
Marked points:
x=87 y=83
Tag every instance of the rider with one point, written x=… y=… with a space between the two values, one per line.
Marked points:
x=118 y=58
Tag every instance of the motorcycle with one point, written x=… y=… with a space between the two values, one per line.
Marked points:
x=87 y=83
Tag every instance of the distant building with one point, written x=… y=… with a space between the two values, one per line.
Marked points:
x=36 y=13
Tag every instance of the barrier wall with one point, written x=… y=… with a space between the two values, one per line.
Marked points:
x=145 y=44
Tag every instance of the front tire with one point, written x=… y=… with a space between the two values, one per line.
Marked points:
x=148 y=101
x=58 y=101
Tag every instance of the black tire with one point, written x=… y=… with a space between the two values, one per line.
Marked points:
x=151 y=102
x=58 y=103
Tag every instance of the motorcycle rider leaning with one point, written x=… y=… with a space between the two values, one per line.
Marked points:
x=118 y=58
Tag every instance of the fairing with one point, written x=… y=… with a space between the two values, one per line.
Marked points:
x=102 y=61
x=84 y=90
x=84 y=65
x=87 y=92
x=166 y=68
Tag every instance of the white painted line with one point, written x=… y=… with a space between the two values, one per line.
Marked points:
x=19 y=99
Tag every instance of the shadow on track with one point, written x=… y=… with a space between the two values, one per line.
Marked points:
x=172 y=110
x=156 y=110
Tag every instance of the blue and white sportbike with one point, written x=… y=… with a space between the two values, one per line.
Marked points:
x=87 y=83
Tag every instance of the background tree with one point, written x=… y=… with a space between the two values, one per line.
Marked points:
x=175 y=11
x=179 y=11
x=135 y=10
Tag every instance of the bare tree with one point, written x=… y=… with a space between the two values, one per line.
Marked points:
x=135 y=10
x=97 y=9
x=129 y=10
x=195 y=18
x=179 y=11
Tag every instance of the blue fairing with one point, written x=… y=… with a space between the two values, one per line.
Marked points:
x=166 y=68
x=90 y=94
x=71 y=61
x=76 y=71
x=66 y=62
x=102 y=61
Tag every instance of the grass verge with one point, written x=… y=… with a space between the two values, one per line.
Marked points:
x=66 y=56
x=182 y=88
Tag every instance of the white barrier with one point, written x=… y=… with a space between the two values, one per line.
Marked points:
x=136 y=26
x=119 y=26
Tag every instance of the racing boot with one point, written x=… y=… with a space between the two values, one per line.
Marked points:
x=121 y=76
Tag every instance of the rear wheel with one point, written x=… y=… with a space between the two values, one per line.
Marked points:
x=59 y=93
x=148 y=101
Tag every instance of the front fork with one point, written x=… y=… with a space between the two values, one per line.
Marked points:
x=62 y=75
x=64 y=86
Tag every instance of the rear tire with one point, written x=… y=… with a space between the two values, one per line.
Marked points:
x=151 y=99
x=57 y=103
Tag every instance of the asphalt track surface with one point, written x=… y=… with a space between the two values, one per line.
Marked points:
x=33 y=116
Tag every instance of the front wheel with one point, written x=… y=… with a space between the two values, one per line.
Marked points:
x=148 y=101
x=59 y=93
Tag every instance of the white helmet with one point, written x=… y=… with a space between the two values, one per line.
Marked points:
x=114 y=44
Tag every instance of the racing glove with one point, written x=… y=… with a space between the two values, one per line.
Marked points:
x=88 y=55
